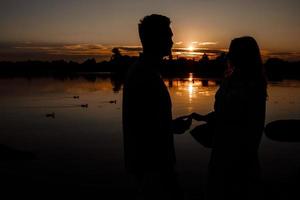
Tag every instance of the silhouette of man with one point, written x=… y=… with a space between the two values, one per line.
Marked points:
x=147 y=115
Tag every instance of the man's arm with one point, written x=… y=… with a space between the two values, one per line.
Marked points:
x=181 y=124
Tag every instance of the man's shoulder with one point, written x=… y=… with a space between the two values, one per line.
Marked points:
x=142 y=72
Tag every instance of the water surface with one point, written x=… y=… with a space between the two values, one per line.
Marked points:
x=83 y=145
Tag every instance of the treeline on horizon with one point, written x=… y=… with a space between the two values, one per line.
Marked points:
x=276 y=68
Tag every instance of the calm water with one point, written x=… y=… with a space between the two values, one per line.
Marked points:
x=85 y=144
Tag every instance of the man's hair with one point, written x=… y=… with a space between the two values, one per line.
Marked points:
x=151 y=26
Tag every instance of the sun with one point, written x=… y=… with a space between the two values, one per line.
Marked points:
x=191 y=48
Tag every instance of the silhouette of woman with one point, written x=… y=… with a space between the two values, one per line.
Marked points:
x=238 y=118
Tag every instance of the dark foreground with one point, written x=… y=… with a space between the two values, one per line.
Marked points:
x=90 y=179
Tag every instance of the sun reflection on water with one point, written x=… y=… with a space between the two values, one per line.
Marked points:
x=191 y=88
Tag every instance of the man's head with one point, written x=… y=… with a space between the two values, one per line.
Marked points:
x=156 y=35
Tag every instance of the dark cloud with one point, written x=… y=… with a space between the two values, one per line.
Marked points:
x=44 y=51
x=290 y=56
x=283 y=53
x=186 y=50
x=79 y=52
x=130 y=48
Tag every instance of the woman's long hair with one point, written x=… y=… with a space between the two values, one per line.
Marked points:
x=245 y=59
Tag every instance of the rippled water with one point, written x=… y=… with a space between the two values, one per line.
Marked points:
x=86 y=142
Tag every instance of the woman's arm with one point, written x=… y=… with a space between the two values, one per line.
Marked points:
x=208 y=117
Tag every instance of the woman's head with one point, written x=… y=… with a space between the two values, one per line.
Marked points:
x=245 y=63
x=244 y=56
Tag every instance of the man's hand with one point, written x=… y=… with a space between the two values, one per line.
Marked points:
x=181 y=124
x=197 y=117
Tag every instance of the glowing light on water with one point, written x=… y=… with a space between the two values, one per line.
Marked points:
x=190 y=87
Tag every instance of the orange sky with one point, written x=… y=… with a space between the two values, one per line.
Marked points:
x=64 y=29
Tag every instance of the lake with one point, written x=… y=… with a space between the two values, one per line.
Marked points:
x=74 y=129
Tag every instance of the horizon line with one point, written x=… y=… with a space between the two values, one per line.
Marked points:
x=101 y=52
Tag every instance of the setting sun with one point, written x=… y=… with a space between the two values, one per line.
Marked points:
x=191 y=48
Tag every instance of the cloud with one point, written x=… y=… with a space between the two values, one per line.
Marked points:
x=69 y=49
x=207 y=43
x=80 y=52
x=179 y=43
x=130 y=48
x=286 y=55
x=282 y=53
x=82 y=47
x=198 y=50
x=44 y=51
x=195 y=43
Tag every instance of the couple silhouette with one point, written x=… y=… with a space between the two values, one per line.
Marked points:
x=234 y=129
